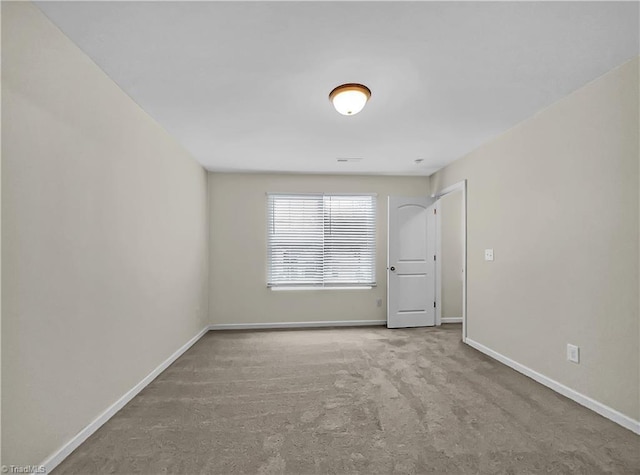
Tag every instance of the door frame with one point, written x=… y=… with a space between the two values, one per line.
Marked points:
x=459 y=186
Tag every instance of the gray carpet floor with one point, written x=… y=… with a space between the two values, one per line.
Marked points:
x=350 y=400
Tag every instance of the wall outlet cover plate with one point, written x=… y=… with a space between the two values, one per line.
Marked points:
x=573 y=353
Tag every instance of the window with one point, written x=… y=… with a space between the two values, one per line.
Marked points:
x=321 y=240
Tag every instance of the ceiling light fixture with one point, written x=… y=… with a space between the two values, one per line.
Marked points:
x=349 y=99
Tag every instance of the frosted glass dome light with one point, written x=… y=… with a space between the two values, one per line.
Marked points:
x=349 y=99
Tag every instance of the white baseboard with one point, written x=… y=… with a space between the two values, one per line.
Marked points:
x=586 y=401
x=63 y=452
x=451 y=320
x=276 y=325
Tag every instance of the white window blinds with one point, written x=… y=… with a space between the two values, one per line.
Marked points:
x=321 y=240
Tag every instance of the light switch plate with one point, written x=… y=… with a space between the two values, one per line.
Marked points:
x=488 y=254
x=573 y=353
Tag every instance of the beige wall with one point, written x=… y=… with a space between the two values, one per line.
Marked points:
x=104 y=237
x=0 y=264
x=238 y=250
x=557 y=199
x=451 y=237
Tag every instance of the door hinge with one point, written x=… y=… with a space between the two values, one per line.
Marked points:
x=434 y=305
x=435 y=211
x=434 y=258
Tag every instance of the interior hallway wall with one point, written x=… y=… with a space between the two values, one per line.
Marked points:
x=104 y=240
x=556 y=197
x=238 y=249
x=452 y=239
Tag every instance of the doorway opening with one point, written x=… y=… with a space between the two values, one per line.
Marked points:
x=451 y=249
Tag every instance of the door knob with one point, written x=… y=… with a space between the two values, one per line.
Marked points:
x=392 y=269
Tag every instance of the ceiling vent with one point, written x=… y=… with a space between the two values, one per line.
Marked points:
x=346 y=160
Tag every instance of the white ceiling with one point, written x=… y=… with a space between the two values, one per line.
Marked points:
x=243 y=86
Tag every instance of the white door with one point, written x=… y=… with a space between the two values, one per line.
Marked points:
x=411 y=262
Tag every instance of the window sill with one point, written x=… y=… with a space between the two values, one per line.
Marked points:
x=358 y=287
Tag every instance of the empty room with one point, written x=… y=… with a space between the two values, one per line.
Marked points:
x=283 y=237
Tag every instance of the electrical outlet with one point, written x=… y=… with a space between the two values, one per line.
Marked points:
x=573 y=353
x=488 y=254
x=379 y=302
